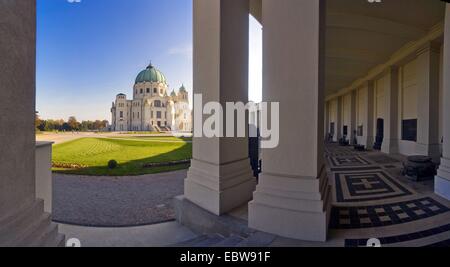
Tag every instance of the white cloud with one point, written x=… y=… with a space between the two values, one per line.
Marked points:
x=183 y=50
x=74 y=1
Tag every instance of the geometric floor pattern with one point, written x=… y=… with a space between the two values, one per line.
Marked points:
x=386 y=214
x=408 y=237
x=367 y=186
x=371 y=199
x=348 y=161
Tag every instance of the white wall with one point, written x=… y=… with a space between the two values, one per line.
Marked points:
x=408 y=103
x=44 y=174
x=333 y=115
x=346 y=112
x=379 y=106
x=361 y=113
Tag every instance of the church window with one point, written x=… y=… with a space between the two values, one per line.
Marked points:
x=155 y=90
x=158 y=114
x=138 y=115
x=142 y=91
x=148 y=90
x=121 y=114
x=157 y=103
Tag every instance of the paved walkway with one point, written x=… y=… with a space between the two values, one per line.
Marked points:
x=157 y=235
x=116 y=201
x=371 y=199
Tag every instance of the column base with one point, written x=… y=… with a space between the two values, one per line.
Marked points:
x=368 y=142
x=442 y=179
x=30 y=226
x=292 y=207
x=431 y=150
x=219 y=188
x=390 y=146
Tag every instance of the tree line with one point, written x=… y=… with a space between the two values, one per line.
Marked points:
x=70 y=125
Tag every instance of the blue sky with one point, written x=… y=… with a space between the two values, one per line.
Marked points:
x=88 y=52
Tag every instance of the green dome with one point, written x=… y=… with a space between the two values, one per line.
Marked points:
x=182 y=88
x=151 y=74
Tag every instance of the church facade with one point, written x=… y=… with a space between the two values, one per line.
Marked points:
x=152 y=108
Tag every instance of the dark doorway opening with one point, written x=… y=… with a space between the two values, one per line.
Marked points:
x=380 y=135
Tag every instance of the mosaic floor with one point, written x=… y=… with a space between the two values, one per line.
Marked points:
x=373 y=200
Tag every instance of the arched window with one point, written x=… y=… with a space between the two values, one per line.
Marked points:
x=148 y=90
x=142 y=91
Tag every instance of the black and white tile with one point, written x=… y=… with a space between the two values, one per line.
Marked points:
x=367 y=186
x=386 y=214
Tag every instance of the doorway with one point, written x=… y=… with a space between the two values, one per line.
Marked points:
x=380 y=134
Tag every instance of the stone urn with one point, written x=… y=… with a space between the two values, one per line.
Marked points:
x=419 y=168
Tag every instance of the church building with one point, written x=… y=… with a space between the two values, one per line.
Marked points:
x=151 y=108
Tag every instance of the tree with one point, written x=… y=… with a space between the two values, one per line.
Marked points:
x=37 y=121
x=73 y=124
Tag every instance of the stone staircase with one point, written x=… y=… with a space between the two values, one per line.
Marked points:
x=256 y=239
x=30 y=226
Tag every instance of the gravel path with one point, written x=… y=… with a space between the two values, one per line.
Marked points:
x=116 y=201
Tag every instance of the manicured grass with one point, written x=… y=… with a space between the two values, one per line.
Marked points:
x=131 y=153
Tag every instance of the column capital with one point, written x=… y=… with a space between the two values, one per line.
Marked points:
x=434 y=47
x=368 y=83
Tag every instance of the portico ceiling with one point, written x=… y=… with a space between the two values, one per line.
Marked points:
x=361 y=35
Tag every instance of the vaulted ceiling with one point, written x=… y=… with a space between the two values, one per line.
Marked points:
x=361 y=35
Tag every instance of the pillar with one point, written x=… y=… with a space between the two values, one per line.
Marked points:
x=442 y=180
x=368 y=125
x=292 y=198
x=327 y=120
x=353 y=123
x=390 y=142
x=428 y=141
x=220 y=178
x=340 y=112
x=22 y=218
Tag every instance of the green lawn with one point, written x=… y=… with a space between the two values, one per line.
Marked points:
x=131 y=153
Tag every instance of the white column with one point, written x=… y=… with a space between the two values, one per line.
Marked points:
x=390 y=142
x=22 y=218
x=428 y=141
x=442 y=180
x=220 y=178
x=340 y=106
x=327 y=120
x=353 y=123
x=17 y=103
x=293 y=195
x=368 y=126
